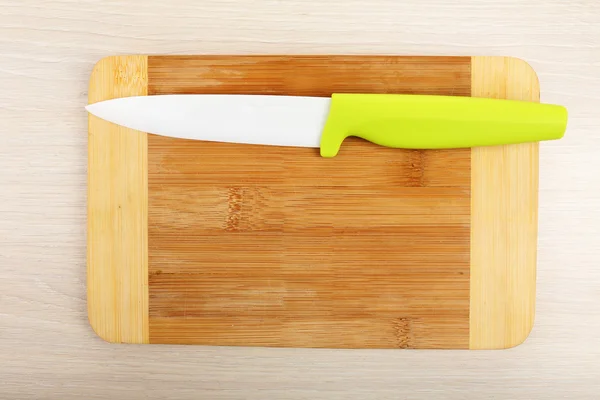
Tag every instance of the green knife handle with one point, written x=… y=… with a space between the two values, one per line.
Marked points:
x=438 y=122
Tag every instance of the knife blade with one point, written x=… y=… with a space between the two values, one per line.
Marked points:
x=391 y=120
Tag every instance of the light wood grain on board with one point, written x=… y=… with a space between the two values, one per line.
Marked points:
x=260 y=245
x=117 y=251
x=504 y=217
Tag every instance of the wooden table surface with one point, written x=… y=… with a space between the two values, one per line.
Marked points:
x=47 y=50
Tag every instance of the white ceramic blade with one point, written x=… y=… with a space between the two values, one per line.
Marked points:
x=250 y=119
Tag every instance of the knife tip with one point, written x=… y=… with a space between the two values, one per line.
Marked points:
x=91 y=108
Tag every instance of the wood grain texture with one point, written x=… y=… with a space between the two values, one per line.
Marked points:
x=300 y=75
x=255 y=245
x=117 y=257
x=504 y=219
x=47 y=348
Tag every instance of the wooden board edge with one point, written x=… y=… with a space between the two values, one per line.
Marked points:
x=117 y=226
x=504 y=217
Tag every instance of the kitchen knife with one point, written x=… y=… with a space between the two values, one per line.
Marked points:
x=391 y=120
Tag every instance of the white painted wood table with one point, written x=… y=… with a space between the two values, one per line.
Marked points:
x=47 y=50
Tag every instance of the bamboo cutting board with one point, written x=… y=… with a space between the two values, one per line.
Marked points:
x=192 y=242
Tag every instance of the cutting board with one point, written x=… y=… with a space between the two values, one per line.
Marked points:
x=193 y=242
